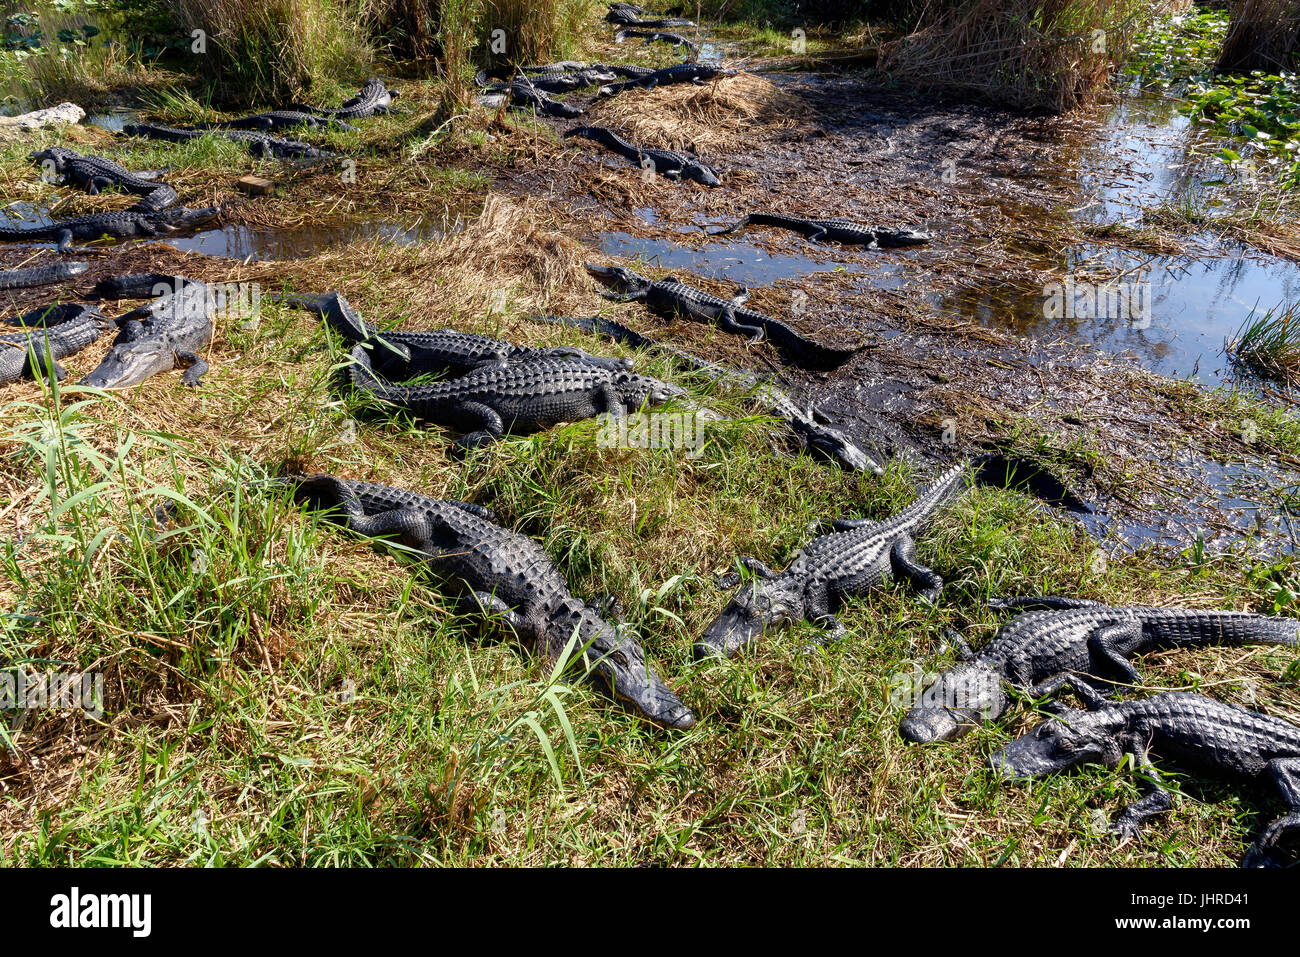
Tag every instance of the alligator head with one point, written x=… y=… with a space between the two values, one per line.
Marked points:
x=835 y=447
x=131 y=363
x=620 y=276
x=619 y=664
x=1059 y=743
x=181 y=217
x=887 y=238
x=961 y=698
x=57 y=155
x=640 y=392
x=702 y=174
x=756 y=608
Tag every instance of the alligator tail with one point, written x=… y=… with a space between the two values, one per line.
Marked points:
x=807 y=352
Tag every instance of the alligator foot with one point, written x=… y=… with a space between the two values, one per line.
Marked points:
x=196 y=368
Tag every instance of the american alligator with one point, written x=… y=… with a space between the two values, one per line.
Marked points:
x=522 y=94
x=549 y=82
x=1199 y=734
x=669 y=163
x=670 y=296
x=815 y=436
x=119 y=224
x=625 y=70
x=835 y=231
x=40 y=275
x=273 y=120
x=375 y=97
x=655 y=36
x=51 y=334
x=93 y=174
x=260 y=145
x=1072 y=643
x=505 y=576
x=695 y=73
x=626 y=14
x=518 y=396
x=158 y=336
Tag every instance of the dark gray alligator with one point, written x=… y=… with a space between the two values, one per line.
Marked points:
x=835 y=231
x=1199 y=734
x=374 y=98
x=670 y=296
x=518 y=396
x=627 y=71
x=49 y=335
x=272 y=120
x=860 y=554
x=696 y=73
x=158 y=336
x=1072 y=643
x=522 y=93
x=814 y=435
x=669 y=163
x=655 y=36
x=261 y=145
x=119 y=224
x=628 y=14
x=93 y=174
x=506 y=577
x=563 y=82
x=40 y=275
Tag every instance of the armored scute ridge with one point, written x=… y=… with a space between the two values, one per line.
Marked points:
x=49 y=334
x=669 y=163
x=94 y=174
x=40 y=275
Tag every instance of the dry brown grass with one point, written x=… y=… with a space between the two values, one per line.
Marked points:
x=1262 y=35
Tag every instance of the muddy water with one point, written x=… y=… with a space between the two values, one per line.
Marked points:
x=303 y=242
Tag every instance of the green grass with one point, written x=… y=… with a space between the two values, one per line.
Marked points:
x=1268 y=344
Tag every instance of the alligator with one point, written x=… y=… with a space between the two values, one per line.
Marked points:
x=834 y=231
x=518 y=396
x=626 y=14
x=670 y=296
x=625 y=70
x=374 y=97
x=549 y=82
x=119 y=224
x=1200 y=734
x=49 y=334
x=40 y=275
x=273 y=120
x=1072 y=643
x=655 y=36
x=522 y=94
x=504 y=576
x=815 y=436
x=261 y=145
x=858 y=555
x=695 y=73
x=667 y=163
x=93 y=173
x=159 y=335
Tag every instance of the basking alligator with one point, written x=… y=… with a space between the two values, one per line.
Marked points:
x=273 y=120
x=815 y=436
x=670 y=296
x=92 y=173
x=695 y=73
x=550 y=82
x=505 y=576
x=835 y=231
x=1200 y=734
x=1072 y=643
x=860 y=554
x=627 y=14
x=58 y=332
x=119 y=224
x=158 y=336
x=375 y=97
x=260 y=145
x=522 y=93
x=668 y=163
x=40 y=275
x=653 y=36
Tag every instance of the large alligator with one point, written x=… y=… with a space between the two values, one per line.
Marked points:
x=261 y=145
x=272 y=120
x=48 y=336
x=374 y=98
x=522 y=93
x=859 y=555
x=40 y=275
x=670 y=296
x=655 y=36
x=518 y=396
x=627 y=14
x=93 y=173
x=162 y=334
x=1072 y=643
x=695 y=73
x=119 y=224
x=1199 y=734
x=669 y=163
x=550 y=82
x=835 y=231
x=506 y=577
x=815 y=436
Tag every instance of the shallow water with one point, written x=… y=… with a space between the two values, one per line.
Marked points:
x=302 y=242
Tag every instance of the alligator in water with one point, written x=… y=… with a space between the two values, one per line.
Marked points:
x=695 y=73
x=92 y=173
x=261 y=145
x=119 y=224
x=814 y=435
x=40 y=275
x=158 y=336
x=835 y=231
x=521 y=93
x=627 y=14
x=273 y=120
x=669 y=163
x=1199 y=734
x=655 y=36
x=505 y=576
x=375 y=98
x=1072 y=643
x=49 y=335
x=670 y=296
x=860 y=554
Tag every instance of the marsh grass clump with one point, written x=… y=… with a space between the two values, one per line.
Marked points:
x=1268 y=344
x=1262 y=35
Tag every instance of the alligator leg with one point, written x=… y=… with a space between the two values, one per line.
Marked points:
x=196 y=370
x=63 y=241
x=482 y=512
x=1156 y=801
x=928 y=582
x=1111 y=643
x=817 y=609
x=495 y=608
x=1040 y=603
x=752 y=564
x=815 y=237
x=1285 y=773
x=1092 y=698
x=488 y=422
x=727 y=321
x=623 y=296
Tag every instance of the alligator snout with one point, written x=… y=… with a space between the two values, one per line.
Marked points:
x=925 y=726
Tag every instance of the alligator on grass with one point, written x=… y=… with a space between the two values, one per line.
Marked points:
x=261 y=145
x=696 y=73
x=93 y=174
x=835 y=231
x=40 y=275
x=549 y=82
x=670 y=296
x=655 y=36
x=1071 y=643
x=272 y=120
x=374 y=98
x=161 y=335
x=627 y=14
x=120 y=224
x=670 y=163
x=505 y=577
x=48 y=335
x=1197 y=733
x=521 y=93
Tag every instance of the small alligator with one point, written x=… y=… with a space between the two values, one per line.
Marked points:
x=670 y=296
x=1072 y=643
x=505 y=576
x=1199 y=734
x=40 y=275
x=522 y=93
x=57 y=332
x=655 y=36
x=627 y=14
x=817 y=437
x=273 y=120
x=859 y=555
x=669 y=163
x=518 y=396
x=374 y=97
x=92 y=173
x=158 y=336
x=695 y=73
x=261 y=145
x=119 y=224
x=834 y=231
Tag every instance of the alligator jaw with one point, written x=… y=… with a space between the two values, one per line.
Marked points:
x=127 y=365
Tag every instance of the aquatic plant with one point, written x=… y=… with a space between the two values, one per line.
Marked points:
x=1268 y=343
